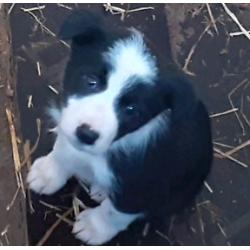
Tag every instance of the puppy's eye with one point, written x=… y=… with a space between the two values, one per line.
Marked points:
x=131 y=110
x=92 y=81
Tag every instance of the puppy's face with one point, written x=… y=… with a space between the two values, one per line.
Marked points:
x=109 y=93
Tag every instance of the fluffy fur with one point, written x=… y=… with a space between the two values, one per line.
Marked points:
x=128 y=126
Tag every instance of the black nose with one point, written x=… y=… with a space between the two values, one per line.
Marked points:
x=86 y=135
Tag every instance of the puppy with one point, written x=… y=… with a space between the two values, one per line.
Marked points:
x=128 y=126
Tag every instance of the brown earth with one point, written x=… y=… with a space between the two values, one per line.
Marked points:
x=218 y=65
x=13 y=220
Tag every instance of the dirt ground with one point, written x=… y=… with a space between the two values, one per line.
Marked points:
x=12 y=211
x=217 y=64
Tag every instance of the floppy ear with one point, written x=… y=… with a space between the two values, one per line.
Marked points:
x=83 y=27
x=179 y=95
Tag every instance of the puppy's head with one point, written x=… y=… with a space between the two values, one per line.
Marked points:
x=110 y=86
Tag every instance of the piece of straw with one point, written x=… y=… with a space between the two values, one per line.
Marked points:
x=46 y=29
x=232 y=104
x=230 y=158
x=26 y=151
x=50 y=206
x=114 y=10
x=53 y=227
x=9 y=206
x=53 y=89
x=238 y=33
x=212 y=18
x=33 y=8
x=222 y=230
x=11 y=8
x=64 y=6
x=33 y=149
x=38 y=69
x=15 y=152
x=235 y=19
x=222 y=145
x=192 y=50
x=30 y=101
x=66 y=220
x=164 y=236
x=208 y=187
x=224 y=113
x=236 y=149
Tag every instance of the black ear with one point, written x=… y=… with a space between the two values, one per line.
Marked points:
x=83 y=27
x=179 y=95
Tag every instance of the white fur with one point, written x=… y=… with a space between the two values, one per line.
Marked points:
x=49 y=173
x=45 y=176
x=95 y=110
x=130 y=57
x=98 y=225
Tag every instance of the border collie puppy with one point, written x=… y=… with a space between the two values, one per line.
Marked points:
x=127 y=126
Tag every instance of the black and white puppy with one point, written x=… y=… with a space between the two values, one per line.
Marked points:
x=129 y=127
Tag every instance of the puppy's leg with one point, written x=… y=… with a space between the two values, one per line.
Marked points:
x=49 y=173
x=102 y=178
x=98 y=225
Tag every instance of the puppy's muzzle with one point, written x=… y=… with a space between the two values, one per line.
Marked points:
x=86 y=135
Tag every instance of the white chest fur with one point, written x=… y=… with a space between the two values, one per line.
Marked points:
x=88 y=167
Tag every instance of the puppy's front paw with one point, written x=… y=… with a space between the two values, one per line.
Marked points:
x=92 y=228
x=44 y=176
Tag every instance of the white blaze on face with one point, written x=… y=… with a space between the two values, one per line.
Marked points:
x=127 y=58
